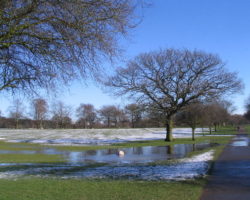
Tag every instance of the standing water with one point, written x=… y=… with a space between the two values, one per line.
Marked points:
x=136 y=163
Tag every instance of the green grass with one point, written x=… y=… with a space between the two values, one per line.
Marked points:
x=54 y=189
x=224 y=130
x=231 y=130
x=30 y=158
x=247 y=128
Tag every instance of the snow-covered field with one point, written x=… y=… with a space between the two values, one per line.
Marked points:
x=186 y=168
x=90 y=136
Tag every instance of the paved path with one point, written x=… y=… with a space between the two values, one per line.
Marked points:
x=230 y=177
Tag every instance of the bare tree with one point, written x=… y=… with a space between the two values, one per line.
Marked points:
x=134 y=111
x=39 y=111
x=61 y=115
x=46 y=41
x=216 y=113
x=237 y=120
x=16 y=111
x=171 y=79
x=87 y=114
x=110 y=115
x=192 y=115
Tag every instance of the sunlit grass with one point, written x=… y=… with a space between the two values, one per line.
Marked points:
x=224 y=130
x=30 y=158
x=247 y=128
x=54 y=189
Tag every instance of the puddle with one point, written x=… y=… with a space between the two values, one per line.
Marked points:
x=133 y=155
x=240 y=141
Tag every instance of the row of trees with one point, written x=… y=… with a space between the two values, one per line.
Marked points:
x=247 y=106
x=58 y=115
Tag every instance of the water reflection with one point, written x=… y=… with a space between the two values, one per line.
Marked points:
x=132 y=155
x=240 y=141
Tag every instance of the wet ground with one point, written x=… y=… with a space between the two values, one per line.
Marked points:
x=136 y=163
x=241 y=141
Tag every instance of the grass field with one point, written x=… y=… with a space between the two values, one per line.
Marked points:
x=35 y=188
x=224 y=130
x=53 y=189
x=247 y=128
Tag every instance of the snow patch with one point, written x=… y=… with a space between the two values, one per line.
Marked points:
x=91 y=136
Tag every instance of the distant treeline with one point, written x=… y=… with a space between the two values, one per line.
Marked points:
x=133 y=115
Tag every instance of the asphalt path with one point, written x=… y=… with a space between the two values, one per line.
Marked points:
x=230 y=175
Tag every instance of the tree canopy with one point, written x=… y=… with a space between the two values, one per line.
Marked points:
x=43 y=42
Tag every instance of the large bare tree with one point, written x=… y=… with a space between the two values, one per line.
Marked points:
x=46 y=41
x=170 y=79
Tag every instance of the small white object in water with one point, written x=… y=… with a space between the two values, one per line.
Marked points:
x=121 y=153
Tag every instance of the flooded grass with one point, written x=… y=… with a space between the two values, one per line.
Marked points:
x=50 y=154
x=53 y=187
x=143 y=163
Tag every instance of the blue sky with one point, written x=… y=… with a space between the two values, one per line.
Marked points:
x=215 y=26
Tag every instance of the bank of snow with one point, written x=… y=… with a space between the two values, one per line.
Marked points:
x=91 y=136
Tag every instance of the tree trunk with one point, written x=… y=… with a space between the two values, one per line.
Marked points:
x=41 y=124
x=169 y=126
x=193 y=129
x=133 y=124
x=108 y=122
x=210 y=130
x=215 y=127
x=17 y=124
